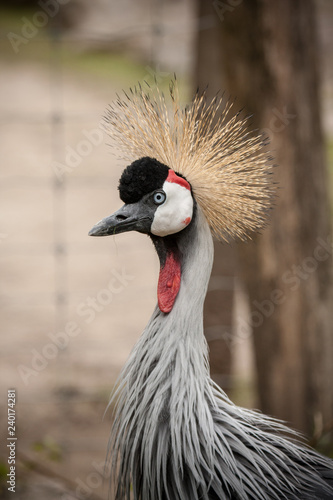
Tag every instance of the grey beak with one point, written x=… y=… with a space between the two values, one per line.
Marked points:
x=131 y=217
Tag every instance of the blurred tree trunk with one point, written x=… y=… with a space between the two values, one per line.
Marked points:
x=268 y=54
x=219 y=301
x=270 y=59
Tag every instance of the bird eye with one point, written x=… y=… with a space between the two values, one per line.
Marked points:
x=159 y=197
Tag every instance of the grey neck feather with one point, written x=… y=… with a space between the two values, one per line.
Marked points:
x=176 y=436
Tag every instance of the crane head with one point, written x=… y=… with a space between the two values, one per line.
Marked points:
x=188 y=158
x=157 y=201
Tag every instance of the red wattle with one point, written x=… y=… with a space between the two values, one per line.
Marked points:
x=168 y=283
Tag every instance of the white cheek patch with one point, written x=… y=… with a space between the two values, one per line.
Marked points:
x=175 y=213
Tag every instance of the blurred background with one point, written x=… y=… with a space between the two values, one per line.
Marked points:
x=72 y=307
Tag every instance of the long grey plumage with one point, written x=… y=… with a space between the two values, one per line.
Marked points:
x=176 y=435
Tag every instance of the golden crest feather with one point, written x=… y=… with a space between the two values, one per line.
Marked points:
x=228 y=168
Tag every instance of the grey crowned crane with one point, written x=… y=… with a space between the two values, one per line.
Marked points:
x=193 y=172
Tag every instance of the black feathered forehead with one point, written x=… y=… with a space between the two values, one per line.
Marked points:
x=141 y=177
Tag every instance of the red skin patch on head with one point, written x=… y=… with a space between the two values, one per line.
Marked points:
x=173 y=177
x=187 y=221
x=169 y=282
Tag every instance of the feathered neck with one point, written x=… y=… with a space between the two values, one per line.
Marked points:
x=173 y=343
x=194 y=247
